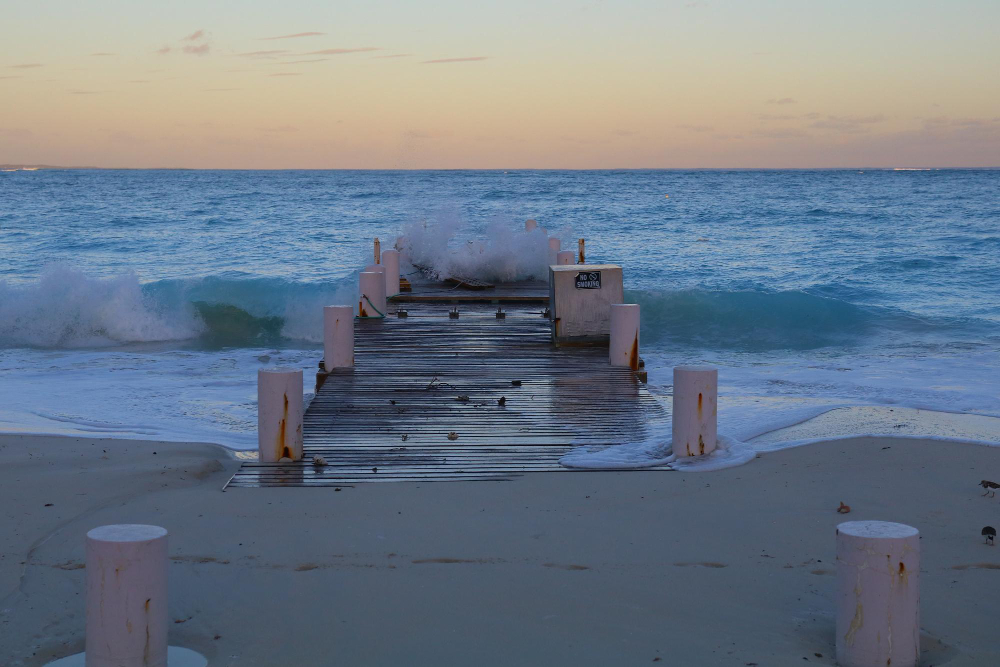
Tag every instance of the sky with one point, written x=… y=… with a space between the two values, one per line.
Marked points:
x=378 y=84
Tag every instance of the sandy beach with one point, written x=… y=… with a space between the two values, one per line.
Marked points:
x=734 y=567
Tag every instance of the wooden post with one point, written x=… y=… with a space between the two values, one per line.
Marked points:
x=126 y=596
x=695 y=417
x=878 y=594
x=279 y=414
x=378 y=251
x=582 y=254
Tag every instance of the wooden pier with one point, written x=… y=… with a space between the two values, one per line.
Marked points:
x=433 y=397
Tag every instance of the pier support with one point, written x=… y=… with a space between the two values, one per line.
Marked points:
x=695 y=417
x=624 y=344
x=530 y=225
x=878 y=594
x=390 y=260
x=279 y=413
x=371 y=302
x=565 y=257
x=581 y=252
x=338 y=337
x=126 y=596
x=554 y=246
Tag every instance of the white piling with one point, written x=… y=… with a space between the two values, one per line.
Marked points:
x=553 y=249
x=565 y=257
x=530 y=225
x=338 y=337
x=279 y=414
x=371 y=302
x=126 y=596
x=624 y=344
x=390 y=260
x=695 y=417
x=878 y=594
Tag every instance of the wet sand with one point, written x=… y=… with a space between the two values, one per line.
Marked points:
x=733 y=567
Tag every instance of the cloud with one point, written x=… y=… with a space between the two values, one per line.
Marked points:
x=102 y=53
x=468 y=59
x=784 y=133
x=139 y=81
x=86 y=92
x=12 y=76
x=197 y=50
x=625 y=133
x=782 y=101
x=285 y=74
x=262 y=54
x=775 y=116
x=847 y=123
x=295 y=36
x=340 y=52
x=27 y=66
x=395 y=55
x=695 y=5
x=296 y=62
x=164 y=50
x=280 y=128
x=219 y=90
x=697 y=128
x=195 y=36
x=760 y=53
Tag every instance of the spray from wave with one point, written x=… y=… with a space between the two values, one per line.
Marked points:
x=68 y=309
x=506 y=253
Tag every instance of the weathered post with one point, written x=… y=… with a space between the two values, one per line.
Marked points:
x=338 y=337
x=565 y=257
x=378 y=251
x=878 y=594
x=695 y=415
x=390 y=260
x=371 y=303
x=279 y=414
x=581 y=253
x=624 y=344
x=126 y=611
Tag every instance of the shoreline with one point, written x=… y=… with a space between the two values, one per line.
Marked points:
x=603 y=568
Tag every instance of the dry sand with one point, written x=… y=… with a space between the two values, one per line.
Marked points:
x=734 y=567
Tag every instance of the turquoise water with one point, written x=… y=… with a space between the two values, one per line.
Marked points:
x=142 y=302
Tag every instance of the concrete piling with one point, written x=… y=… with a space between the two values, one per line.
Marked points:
x=530 y=225
x=554 y=246
x=565 y=257
x=878 y=594
x=338 y=337
x=695 y=414
x=623 y=349
x=390 y=260
x=279 y=413
x=126 y=608
x=371 y=302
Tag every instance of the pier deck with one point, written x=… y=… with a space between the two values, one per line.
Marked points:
x=422 y=402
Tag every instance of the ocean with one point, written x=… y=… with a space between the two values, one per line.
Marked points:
x=140 y=304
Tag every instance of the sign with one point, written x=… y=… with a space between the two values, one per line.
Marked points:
x=588 y=280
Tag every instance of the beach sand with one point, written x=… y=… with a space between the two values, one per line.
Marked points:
x=734 y=567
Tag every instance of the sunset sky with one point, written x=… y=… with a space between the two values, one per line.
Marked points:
x=515 y=84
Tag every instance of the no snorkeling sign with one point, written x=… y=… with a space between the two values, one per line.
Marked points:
x=588 y=280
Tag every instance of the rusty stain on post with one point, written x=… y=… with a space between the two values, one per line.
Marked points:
x=282 y=447
x=583 y=255
x=633 y=357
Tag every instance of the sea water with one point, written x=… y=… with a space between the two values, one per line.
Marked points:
x=141 y=303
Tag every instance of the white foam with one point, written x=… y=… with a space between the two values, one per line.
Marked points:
x=657 y=451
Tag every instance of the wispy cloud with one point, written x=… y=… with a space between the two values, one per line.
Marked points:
x=197 y=50
x=781 y=101
x=847 y=123
x=164 y=50
x=786 y=133
x=467 y=59
x=394 y=55
x=219 y=90
x=86 y=92
x=776 y=116
x=102 y=53
x=286 y=74
x=697 y=128
x=195 y=36
x=27 y=66
x=340 y=52
x=294 y=36
x=296 y=62
x=12 y=76
x=262 y=54
x=279 y=128
x=139 y=81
